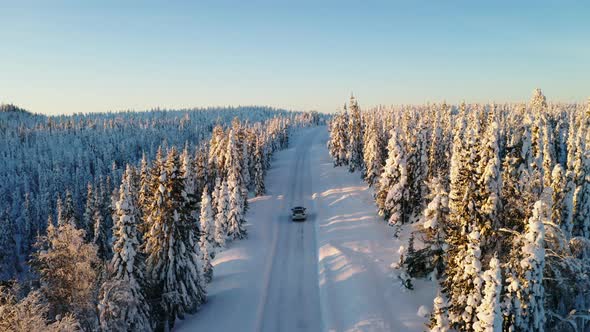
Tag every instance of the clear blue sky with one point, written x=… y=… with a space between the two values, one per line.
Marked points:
x=87 y=56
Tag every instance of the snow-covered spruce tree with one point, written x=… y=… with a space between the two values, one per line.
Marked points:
x=122 y=305
x=373 y=151
x=417 y=168
x=189 y=186
x=391 y=196
x=202 y=178
x=217 y=146
x=143 y=195
x=28 y=227
x=463 y=236
x=439 y=322
x=549 y=157
x=89 y=210
x=173 y=262
x=490 y=179
x=355 y=137
x=101 y=235
x=438 y=163
x=338 y=144
x=221 y=216
x=259 y=169
x=235 y=217
x=465 y=291
x=489 y=314
x=561 y=214
x=207 y=240
x=533 y=264
x=66 y=268
x=582 y=193
x=8 y=253
x=68 y=213
x=435 y=219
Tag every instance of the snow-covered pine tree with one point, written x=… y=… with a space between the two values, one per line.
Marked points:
x=490 y=179
x=173 y=261
x=201 y=170
x=68 y=213
x=465 y=291
x=562 y=189
x=549 y=157
x=439 y=322
x=189 y=192
x=533 y=264
x=88 y=216
x=391 y=196
x=438 y=163
x=489 y=314
x=207 y=237
x=338 y=143
x=259 y=169
x=581 y=199
x=29 y=226
x=143 y=195
x=221 y=216
x=373 y=156
x=217 y=146
x=355 y=137
x=435 y=219
x=417 y=168
x=101 y=235
x=123 y=306
x=235 y=217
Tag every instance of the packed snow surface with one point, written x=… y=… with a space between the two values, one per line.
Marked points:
x=329 y=273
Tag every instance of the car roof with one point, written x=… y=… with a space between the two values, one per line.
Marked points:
x=298 y=208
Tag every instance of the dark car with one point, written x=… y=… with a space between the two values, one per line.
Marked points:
x=298 y=213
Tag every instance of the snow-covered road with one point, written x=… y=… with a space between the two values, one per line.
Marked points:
x=329 y=273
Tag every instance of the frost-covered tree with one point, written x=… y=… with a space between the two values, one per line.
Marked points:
x=123 y=306
x=66 y=267
x=489 y=314
x=30 y=314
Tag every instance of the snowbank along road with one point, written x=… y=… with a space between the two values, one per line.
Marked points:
x=328 y=273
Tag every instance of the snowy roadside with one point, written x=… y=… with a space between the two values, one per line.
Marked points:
x=358 y=290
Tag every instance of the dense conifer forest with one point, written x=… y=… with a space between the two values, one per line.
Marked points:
x=498 y=196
